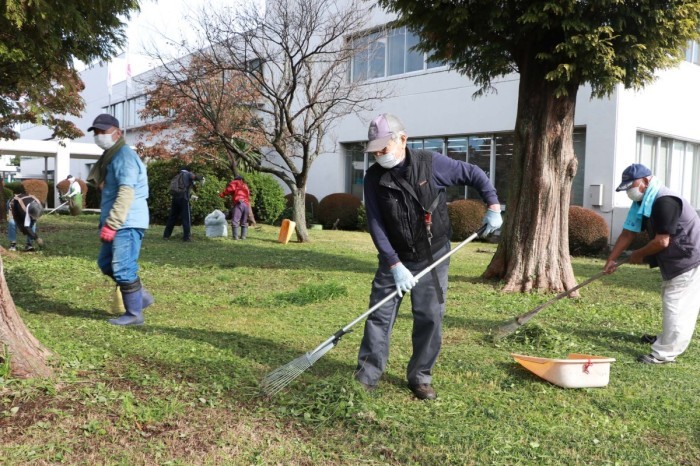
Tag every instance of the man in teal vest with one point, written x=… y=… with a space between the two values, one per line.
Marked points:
x=674 y=228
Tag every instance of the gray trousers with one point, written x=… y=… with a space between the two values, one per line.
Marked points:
x=427 y=324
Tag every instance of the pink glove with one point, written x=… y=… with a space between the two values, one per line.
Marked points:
x=107 y=234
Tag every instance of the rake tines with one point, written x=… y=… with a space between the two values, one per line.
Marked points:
x=276 y=380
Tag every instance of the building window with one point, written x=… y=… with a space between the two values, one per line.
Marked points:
x=675 y=162
x=389 y=52
x=493 y=153
x=128 y=112
x=358 y=163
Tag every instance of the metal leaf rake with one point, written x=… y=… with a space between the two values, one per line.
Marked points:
x=278 y=379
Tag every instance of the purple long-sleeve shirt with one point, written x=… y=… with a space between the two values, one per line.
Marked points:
x=446 y=172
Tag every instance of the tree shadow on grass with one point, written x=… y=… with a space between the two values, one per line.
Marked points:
x=259 y=351
x=255 y=253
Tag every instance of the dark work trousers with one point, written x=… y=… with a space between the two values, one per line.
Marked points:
x=427 y=324
x=180 y=207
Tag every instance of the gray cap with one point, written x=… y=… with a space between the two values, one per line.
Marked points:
x=381 y=130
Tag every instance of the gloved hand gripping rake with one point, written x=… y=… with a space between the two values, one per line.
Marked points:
x=279 y=378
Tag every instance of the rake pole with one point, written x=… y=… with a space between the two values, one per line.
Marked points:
x=281 y=377
x=514 y=324
x=54 y=210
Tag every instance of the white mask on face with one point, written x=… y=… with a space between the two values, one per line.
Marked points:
x=387 y=160
x=104 y=141
x=390 y=159
x=635 y=194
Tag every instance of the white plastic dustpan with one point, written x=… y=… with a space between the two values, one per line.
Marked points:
x=576 y=371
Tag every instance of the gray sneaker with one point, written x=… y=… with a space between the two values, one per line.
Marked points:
x=650 y=359
x=13 y=247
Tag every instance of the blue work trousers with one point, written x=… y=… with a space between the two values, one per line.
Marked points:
x=427 y=323
x=12 y=231
x=119 y=259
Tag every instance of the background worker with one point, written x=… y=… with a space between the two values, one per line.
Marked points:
x=24 y=210
x=401 y=189
x=240 y=195
x=74 y=196
x=121 y=176
x=674 y=229
x=180 y=187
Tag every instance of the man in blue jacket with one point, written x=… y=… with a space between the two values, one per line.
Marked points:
x=121 y=176
x=408 y=221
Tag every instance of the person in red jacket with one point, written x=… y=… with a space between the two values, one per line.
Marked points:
x=240 y=194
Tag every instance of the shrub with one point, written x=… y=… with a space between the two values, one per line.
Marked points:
x=466 y=216
x=63 y=185
x=93 y=198
x=266 y=197
x=342 y=207
x=159 y=199
x=16 y=187
x=588 y=232
x=8 y=194
x=311 y=206
x=37 y=188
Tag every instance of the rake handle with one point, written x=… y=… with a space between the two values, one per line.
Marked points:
x=523 y=318
x=334 y=339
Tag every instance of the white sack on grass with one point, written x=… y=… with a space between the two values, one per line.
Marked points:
x=215 y=224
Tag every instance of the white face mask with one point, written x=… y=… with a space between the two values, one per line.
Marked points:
x=635 y=194
x=390 y=159
x=387 y=160
x=104 y=141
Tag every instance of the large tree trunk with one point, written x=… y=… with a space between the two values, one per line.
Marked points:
x=534 y=249
x=299 y=215
x=27 y=356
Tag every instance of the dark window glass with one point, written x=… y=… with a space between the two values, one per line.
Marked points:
x=504 y=162
x=479 y=154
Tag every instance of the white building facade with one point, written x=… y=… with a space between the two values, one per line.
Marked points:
x=656 y=126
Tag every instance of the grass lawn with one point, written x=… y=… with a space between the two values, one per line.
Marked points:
x=184 y=388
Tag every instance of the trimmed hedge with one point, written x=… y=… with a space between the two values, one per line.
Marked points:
x=341 y=207
x=36 y=188
x=311 y=203
x=588 y=232
x=466 y=216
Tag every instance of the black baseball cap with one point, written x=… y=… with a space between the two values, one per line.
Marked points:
x=104 y=121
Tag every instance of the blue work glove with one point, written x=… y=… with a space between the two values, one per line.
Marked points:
x=403 y=277
x=493 y=222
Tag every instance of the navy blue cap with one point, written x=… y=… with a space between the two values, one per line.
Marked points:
x=104 y=121
x=631 y=174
